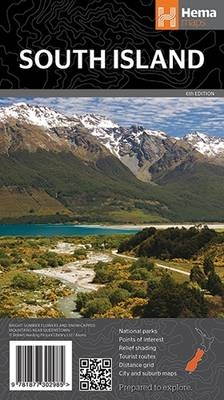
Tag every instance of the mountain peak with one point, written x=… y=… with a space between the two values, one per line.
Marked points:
x=91 y=121
x=209 y=146
x=35 y=115
x=158 y=134
x=196 y=134
x=134 y=145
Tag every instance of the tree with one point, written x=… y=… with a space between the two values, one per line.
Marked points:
x=208 y=265
x=104 y=273
x=172 y=300
x=140 y=274
x=198 y=276
x=135 y=289
x=136 y=239
x=215 y=285
x=169 y=243
x=81 y=299
x=142 y=262
x=98 y=306
x=153 y=284
x=119 y=295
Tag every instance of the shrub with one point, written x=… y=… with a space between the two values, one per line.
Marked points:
x=43 y=263
x=25 y=281
x=81 y=300
x=140 y=292
x=117 y=260
x=128 y=285
x=5 y=262
x=35 y=266
x=143 y=262
x=97 y=306
x=104 y=273
x=52 y=262
x=140 y=274
x=80 y=254
x=51 y=259
x=119 y=295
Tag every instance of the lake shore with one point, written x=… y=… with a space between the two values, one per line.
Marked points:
x=74 y=230
x=186 y=225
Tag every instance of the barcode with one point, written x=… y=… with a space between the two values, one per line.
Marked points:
x=40 y=365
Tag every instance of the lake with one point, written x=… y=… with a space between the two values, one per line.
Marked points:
x=60 y=230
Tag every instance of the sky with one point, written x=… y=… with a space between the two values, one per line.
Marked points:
x=173 y=115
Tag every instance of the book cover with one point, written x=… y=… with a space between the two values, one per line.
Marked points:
x=111 y=200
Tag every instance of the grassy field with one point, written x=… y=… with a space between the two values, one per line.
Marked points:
x=16 y=202
x=135 y=216
x=186 y=265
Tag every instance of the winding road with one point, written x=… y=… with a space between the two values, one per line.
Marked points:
x=156 y=264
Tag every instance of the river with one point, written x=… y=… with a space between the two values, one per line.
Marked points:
x=77 y=275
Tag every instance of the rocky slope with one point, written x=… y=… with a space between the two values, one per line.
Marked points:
x=145 y=152
x=149 y=153
x=90 y=165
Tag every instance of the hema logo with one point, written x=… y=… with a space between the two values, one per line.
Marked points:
x=171 y=15
x=162 y=17
x=167 y=14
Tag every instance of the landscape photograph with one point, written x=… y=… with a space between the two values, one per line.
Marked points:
x=111 y=207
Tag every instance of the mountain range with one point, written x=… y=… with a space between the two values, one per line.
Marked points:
x=88 y=168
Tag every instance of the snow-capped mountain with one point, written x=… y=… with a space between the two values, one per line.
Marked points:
x=136 y=147
x=36 y=115
x=92 y=121
x=210 y=146
x=145 y=152
x=107 y=132
x=87 y=165
x=27 y=127
x=114 y=136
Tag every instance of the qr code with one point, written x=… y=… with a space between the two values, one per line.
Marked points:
x=95 y=374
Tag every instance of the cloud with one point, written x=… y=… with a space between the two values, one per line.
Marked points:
x=175 y=115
